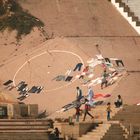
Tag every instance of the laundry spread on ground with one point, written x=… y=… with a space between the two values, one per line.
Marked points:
x=112 y=67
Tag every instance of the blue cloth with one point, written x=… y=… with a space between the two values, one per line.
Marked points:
x=90 y=94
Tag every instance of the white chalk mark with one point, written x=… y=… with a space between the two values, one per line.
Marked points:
x=53 y=51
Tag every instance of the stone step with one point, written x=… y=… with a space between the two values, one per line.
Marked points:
x=24 y=124
x=115 y=133
x=25 y=131
x=91 y=137
x=25 y=128
x=113 y=137
x=24 y=120
x=11 y=138
x=97 y=133
x=24 y=136
x=128 y=111
x=126 y=118
x=101 y=128
x=123 y=114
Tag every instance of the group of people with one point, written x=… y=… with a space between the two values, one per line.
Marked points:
x=89 y=102
x=118 y=104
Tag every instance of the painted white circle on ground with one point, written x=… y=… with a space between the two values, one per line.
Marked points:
x=51 y=51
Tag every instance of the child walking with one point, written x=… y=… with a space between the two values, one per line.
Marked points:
x=108 y=110
x=87 y=106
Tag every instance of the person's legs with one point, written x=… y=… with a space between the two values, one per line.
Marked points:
x=76 y=67
x=108 y=115
x=106 y=83
x=77 y=118
x=85 y=115
x=119 y=104
x=102 y=85
x=115 y=104
x=90 y=114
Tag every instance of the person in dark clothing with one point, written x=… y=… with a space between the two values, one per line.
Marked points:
x=104 y=79
x=78 y=67
x=119 y=101
x=77 y=114
x=56 y=133
x=118 y=62
x=79 y=94
x=87 y=107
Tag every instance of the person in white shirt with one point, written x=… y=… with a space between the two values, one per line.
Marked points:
x=90 y=95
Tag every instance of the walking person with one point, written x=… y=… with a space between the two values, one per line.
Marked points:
x=87 y=108
x=78 y=112
x=108 y=109
x=104 y=79
x=79 y=94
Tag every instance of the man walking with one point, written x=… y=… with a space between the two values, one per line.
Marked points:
x=87 y=108
x=104 y=79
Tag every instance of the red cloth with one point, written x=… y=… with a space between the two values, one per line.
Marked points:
x=87 y=107
x=78 y=111
x=101 y=95
x=86 y=69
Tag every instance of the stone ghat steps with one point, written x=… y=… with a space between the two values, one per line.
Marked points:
x=24 y=125
x=134 y=6
x=97 y=133
x=25 y=131
x=131 y=107
x=115 y=137
x=106 y=131
x=115 y=132
x=24 y=122
x=129 y=114
x=24 y=136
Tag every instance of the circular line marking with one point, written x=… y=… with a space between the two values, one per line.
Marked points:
x=53 y=51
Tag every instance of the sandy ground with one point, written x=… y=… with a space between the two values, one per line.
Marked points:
x=79 y=17
x=79 y=25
